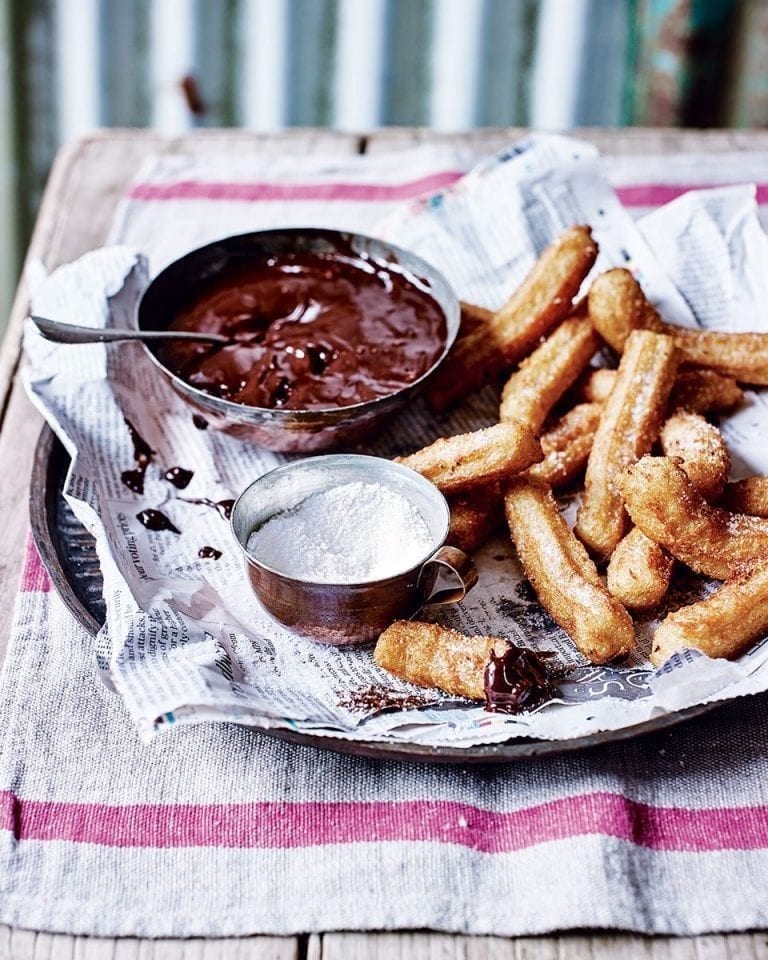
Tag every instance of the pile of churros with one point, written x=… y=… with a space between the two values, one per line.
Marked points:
x=654 y=470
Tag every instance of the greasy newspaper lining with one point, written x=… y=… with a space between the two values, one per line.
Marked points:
x=185 y=641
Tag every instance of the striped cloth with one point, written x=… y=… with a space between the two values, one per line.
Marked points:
x=217 y=831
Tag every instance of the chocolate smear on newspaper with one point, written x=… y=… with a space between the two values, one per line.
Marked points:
x=223 y=507
x=156 y=520
x=142 y=454
x=209 y=553
x=180 y=477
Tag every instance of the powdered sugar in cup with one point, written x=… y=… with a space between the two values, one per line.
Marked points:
x=338 y=547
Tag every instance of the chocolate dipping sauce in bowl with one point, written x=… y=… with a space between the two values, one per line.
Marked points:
x=331 y=332
x=337 y=547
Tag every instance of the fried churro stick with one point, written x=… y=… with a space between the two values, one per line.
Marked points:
x=628 y=426
x=663 y=502
x=565 y=579
x=433 y=656
x=701 y=449
x=567 y=445
x=474 y=517
x=532 y=391
x=722 y=625
x=617 y=306
x=542 y=301
x=474 y=317
x=696 y=389
x=476 y=459
x=639 y=571
x=700 y=390
x=747 y=496
x=596 y=386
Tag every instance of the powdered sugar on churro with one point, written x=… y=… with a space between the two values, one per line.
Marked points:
x=352 y=533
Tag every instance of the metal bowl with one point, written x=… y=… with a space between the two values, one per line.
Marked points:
x=279 y=429
x=356 y=612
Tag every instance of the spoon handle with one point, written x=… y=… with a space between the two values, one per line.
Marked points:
x=72 y=333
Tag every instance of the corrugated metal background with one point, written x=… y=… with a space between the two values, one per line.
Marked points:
x=70 y=65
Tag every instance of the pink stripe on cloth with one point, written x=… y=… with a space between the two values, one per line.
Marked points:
x=296 y=825
x=34 y=576
x=657 y=194
x=213 y=190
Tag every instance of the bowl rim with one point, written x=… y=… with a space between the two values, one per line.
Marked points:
x=236 y=409
x=373 y=463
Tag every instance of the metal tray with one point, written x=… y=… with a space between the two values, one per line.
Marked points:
x=69 y=555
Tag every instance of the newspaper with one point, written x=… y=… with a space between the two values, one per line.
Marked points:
x=185 y=641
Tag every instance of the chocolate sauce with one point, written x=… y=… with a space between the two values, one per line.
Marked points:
x=142 y=454
x=155 y=520
x=309 y=331
x=224 y=507
x=179 y=476
x=134 y=479
x=199 y=421
x=517 y=681
x=209 y=553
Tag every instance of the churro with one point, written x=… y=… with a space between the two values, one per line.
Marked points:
x=561 y=572
x=540 y=303
x=474 y=317
x=663 y=502
x=474 y=517
x=722 y=625
x=542 y=378
x=628 y=427
x=749 y=495
x=566 y=446
x=618 y=306
x=596 y=386
x=433 y=656
x=700 y=390
x=696 y=389
x=701 y=450
x=476 y=459
x=639 y=571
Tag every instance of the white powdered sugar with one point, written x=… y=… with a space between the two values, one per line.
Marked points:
x=352 y=533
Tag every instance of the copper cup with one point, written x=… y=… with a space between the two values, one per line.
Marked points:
x=350 y=613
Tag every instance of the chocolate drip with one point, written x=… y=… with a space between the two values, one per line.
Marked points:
x=209 y=553
x=223 y=507
x=180 y=477
x=308 y=331
x=517 y=681
x=134 y=479
x=142 y=454
x=155 y=520
x=199 y=421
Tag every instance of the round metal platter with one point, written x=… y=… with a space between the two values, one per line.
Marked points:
x=68 y=553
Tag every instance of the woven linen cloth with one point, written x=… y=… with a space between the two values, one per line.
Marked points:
x=219 y=830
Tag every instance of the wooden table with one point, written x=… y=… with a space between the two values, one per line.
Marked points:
x=85 y=184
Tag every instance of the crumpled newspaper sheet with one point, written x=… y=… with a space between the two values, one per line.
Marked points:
x=185 y=641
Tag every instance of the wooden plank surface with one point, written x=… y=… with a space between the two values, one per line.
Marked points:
x=87 y=180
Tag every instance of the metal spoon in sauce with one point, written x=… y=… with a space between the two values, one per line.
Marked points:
x=72 y=333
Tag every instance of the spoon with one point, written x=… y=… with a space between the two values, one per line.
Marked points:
x=72 y=333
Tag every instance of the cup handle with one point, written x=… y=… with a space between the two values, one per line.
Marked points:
x=455 y=562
